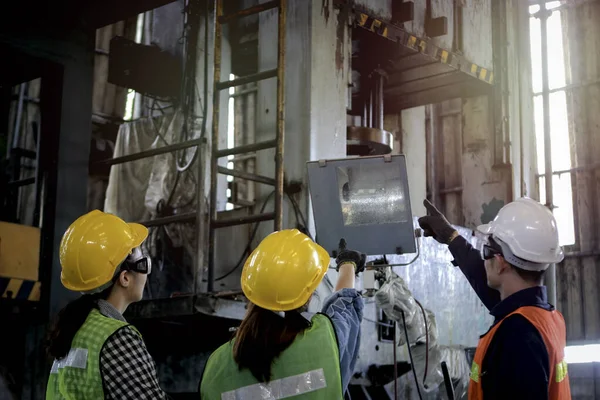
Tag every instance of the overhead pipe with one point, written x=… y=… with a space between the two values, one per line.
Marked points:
x=544 y=14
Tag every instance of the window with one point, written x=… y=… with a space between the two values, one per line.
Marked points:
x=582 y=354
x=547 y=13
x=230 y=141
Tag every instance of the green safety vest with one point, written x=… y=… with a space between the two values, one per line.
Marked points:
x=308 y=369
x=77 y=376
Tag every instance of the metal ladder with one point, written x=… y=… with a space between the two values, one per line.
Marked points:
x=277 y=143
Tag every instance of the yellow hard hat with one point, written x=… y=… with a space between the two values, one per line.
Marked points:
x=284 y=270
x=94 y=246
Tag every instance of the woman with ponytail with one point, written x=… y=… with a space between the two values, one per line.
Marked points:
x=277 y=351
x=96 y=353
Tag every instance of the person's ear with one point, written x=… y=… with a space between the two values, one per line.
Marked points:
x=501 y=265
x=124 y=279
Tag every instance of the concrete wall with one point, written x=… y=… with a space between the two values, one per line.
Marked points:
x=486 y=188
x=316 y=76
x=414 y=147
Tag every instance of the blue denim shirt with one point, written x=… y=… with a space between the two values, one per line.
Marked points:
x=345 y=308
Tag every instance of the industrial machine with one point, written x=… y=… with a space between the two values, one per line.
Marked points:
x=209 y=196
x=365 y=201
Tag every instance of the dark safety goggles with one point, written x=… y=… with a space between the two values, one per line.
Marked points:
x=143 y=265
x=137 y=261
x=490 y=250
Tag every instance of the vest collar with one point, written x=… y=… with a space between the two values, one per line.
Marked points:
x=535 y=296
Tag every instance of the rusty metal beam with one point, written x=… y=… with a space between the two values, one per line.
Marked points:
x=571 y=86
x=171 y=219
x=246 y=175
x=249 y=148
x=582 y=254
x=581 y=168
x=22 y=182
x=223 y=19
x=457 y=189
x=259 y=76
x=152 y=152
x=243 y=220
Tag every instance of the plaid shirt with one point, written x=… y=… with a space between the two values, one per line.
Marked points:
x=128 y=371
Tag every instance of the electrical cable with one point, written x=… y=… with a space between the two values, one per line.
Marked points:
x=249 y=245
x=300 y=220
x=298 y=211
x=400 y=264
x=248 y=248
x=395 y=364
x=194 y=88
x=189 y=89
x=412 y=363
x=426 y=341
x=378 y=323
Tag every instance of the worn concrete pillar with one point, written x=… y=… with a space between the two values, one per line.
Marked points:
x=316 y=83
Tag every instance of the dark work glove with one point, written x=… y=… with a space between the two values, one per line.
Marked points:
x=436 y=225
x=350 y=256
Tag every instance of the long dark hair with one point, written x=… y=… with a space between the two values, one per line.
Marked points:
x=263 y=336
x=68 y=322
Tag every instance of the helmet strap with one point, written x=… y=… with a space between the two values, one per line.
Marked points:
x=517 y=261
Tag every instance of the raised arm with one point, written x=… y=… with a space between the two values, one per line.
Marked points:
x=466 y=257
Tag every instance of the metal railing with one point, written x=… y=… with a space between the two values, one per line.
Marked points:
x=277 y=143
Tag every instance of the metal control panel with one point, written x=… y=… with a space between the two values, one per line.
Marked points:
x=364 y=200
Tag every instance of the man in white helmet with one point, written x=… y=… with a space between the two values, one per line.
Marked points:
x=522 y=354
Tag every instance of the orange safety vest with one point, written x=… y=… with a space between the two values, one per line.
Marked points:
x=551 y=326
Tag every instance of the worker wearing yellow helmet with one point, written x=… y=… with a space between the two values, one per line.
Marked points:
x=277 y=352
x=97 y=354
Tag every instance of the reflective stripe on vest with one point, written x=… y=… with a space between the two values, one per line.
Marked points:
x=280 y=388
x=308 y=369
x=551 y=326
x=77 y=376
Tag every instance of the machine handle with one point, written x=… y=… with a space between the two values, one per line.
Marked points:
x=447 y=381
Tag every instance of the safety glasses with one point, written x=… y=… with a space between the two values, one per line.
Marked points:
x=489 y=251
x=137 y=261
x=142 y=265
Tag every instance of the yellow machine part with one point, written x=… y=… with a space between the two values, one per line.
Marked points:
x=19 y=261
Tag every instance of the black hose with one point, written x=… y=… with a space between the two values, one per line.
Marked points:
x=447 y=381
x=249 y=245
x=395 y=366
x=412 y=364
x=426 y=342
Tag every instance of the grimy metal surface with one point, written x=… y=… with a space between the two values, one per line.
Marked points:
x=423 y=72
x=364 y=200
x=363 y=141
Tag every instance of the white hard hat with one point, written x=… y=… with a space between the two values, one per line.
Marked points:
x=529 y=230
